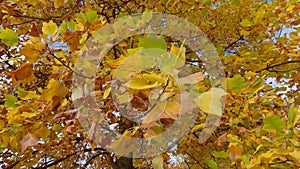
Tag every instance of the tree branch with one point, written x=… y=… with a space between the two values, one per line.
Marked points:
x=231 y=44
x=91 y=159
x=103 y=151
x=276 y=65
x=68 y=67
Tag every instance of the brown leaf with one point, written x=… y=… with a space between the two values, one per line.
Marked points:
x=192 y=79
x=72 y=39
x=35 y=30
x=221 y=140
x=167 y=122
x=29 y=140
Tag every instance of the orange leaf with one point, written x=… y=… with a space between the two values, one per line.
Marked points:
x=23 y=74
x=32 y=51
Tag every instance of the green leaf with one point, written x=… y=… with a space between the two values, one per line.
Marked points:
x=63 y=27
x=11 y=101
x=9 y=37
x=292 y=116
x=211 y=163
x=157 y=129
x=147 y=15
x=158 y=162
x=221 y=154
x=235 y=2
x=133 y=50
x=49 y=28
x=71 y=25
x=21 y=92
x=273 y=124
x=246 y=23
x=91 y=15
x=153 y=41
x=56 y=127
x=83 y=38
x=237 y=83
x=80 y=18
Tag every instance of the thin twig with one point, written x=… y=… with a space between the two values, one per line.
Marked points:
x=276 y=65
x=68 y=67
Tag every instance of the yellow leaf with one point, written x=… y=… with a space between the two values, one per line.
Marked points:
x=115 y=64
x=245 y=33
x=55 y=88
x=156 y=113
x=180 y=53
x=124 y=145
x=173 y=108
x=32 y=51
x=290 y=8
x=145 y=81
x=198 y=127
x=106 y=93
x=79 y=27
x=250 y=74
x=158 y=162
x=210 y=102
x=58 y=3
x=49 y=28
x=28 y=115
x=295 y=156
x=294 y=36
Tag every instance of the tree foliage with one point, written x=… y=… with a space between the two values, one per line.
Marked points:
x=257 y=41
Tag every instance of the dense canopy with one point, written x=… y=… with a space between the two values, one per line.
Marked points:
x=238 y=110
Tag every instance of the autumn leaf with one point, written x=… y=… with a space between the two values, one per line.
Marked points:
x=9 y=37
x=158 y=162
x=32 y=52
x=49 y=28
x=153 y=41
x=192 y=79
x=211 y=163
x=91 y=16
x=106 y=93
x=11 y=101
x=237 y=83
x=58 y=3
x=29 y=140
x=23 y=74
x=210 y=101
x=246 y=23
x=35 y=30
x=292 y=116
x=124 y=145
x=273 y=124
x=180 y=55
x=55 y=88
x=256 y=49
x=147 y=15
x=145 y=81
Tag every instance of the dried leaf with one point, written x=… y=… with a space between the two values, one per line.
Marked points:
x=29 y=140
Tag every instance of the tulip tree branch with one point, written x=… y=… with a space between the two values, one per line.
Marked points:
x=269 y=67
